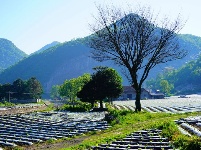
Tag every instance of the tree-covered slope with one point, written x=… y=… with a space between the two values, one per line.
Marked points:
x=192 y=43
x=72 y=59
x=53 y=66
x=186 y=79
x=47 y=47
x=9 y=54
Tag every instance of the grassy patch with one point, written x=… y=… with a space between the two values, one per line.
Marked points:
x=126 y=122
x=77 y=107
x=7 y=104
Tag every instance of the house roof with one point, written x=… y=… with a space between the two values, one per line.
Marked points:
x=156 y=94
x=128 y=89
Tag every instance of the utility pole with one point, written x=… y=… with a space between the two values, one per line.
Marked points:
x=9 y=95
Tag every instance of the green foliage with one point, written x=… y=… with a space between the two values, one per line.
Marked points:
x=9 y=54
x=28 y=89
x=186 y=80
x=79 y=107
x=166 y=87
x=5 y=103
x=54 y=94
x=69 y=55
x=45 y=65
x=169 y=129
x=126 y=122
x=105 y=83
x=192 y=144
x=71 y=87
x=191 y=40
x=34 y=88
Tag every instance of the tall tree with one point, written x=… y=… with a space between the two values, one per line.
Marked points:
x=108 y=82
x=1 y=94
x=34 y=88
x=71 y=87
x=135 y=41
x=105 y=83
x=55 y=92
x=88 y=93
x=6 y=91
x=19 y=88
x=166 y=87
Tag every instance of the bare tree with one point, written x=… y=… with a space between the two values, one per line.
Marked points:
x=135 y=41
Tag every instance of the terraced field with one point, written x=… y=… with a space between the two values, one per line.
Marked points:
x=144 y=139
x=190 y=125
x=192 y=103
x=27 y=129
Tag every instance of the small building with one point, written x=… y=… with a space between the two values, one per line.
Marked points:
x=130 y=94
x=157 y=96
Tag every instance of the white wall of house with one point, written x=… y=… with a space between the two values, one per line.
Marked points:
x=132 y=95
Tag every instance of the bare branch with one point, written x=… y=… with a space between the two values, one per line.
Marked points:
x=135 y=40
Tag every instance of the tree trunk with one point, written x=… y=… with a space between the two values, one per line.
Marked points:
x=101 y=103
x=92 y=104
x=137 y=101
x=111 y=101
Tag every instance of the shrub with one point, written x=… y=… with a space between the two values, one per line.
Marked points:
x=193 y=144
x=5 y=103
x=78 y=107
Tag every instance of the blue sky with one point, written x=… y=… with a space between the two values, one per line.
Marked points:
x=31 y=24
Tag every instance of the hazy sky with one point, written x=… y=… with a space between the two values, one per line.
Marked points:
x=31 y=24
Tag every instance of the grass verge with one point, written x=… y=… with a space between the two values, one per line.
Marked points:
x=126 y=122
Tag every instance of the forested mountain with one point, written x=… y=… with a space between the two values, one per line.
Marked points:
x=47 y=47
x=192 y=43
x=53 y=66
x=72 y=59
x=186 y=79
x=9 y=54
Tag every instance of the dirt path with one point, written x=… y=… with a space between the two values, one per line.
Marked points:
x=10 y=111
x=58 y=145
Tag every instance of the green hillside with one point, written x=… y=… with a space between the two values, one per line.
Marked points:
x=72 y=59
x=47 y=47
x=186 y=80
x=54 y=65
x=9 y=54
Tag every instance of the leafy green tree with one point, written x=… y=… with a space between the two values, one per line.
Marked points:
x=54 y=94
x=6 y=91
x=18 y=87
x=134 y=41
x=33 y=88
x=71 y=87
x=105 y=83
x=88 y=93
x=166 y=87
x=109 y=82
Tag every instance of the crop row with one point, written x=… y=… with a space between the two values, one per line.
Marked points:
x=37 y=127
x=153 y=109
x=144 y=139
x=190 y=125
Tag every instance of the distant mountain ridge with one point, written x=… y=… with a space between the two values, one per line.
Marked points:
x=9 y=54
x=195 y=43
x=71 y=59
x=47 y=46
